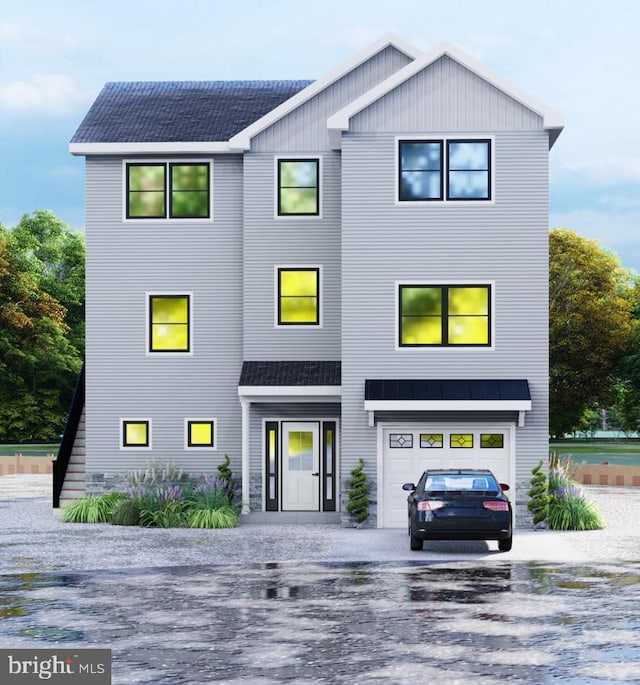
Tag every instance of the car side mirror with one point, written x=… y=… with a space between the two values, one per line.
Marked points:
x=409 y=486
x=504 y=487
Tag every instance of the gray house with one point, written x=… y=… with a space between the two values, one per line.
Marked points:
x=303 y=273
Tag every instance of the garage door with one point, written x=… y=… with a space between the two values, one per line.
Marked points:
x=408 y=450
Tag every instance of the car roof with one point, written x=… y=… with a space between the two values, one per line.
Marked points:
x=458 y=472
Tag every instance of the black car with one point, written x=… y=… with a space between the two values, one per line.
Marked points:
x=459 y=504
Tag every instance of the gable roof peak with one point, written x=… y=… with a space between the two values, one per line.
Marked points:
x=553 y=121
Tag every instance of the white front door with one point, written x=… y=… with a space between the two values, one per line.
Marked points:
x=300 y=466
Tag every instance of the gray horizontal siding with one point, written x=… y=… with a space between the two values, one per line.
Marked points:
x=268 y=242
x=445 y=96
x=306 y=127
x=124 y=261
x=505 y=242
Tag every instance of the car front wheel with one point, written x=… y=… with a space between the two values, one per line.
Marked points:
x=505 y=545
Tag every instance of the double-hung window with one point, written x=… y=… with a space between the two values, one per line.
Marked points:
x=444 y=170
x=444 y=315
x=298 y=189
x=298 y=296
x=168 y=190
x=169 y=323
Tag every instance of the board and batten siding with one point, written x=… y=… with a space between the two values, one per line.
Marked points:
x=445 y=96
x=505 y=242
x=306 y=127
x=291 y=241
x=125 y=260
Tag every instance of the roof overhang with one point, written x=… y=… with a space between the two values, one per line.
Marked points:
x=339 y=122
x=282 y=393
x=457 y=395
x=173 y=148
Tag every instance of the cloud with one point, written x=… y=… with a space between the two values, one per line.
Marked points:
x=48 y=93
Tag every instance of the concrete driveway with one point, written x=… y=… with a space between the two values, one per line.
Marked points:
x=34 y=539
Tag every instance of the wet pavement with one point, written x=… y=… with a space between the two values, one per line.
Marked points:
x=322 y=604
x=513 y=622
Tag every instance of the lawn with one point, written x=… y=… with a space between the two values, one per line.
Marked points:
x=623 y=453
x=28 y=450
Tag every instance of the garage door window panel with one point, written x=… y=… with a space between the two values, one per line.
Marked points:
x=431 y=440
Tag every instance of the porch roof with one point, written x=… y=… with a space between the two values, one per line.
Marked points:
x=290 y=373
x=437 y=389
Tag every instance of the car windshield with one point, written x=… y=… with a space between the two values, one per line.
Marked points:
x=464 y=482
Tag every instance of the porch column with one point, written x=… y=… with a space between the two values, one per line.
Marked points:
x=246 y=483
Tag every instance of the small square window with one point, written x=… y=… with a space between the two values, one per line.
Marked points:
x=135 y=433
x=492 y=440
x=298 y=187
x=461 y=440
x=430 y=440
x=201 y=433
x=169 y=323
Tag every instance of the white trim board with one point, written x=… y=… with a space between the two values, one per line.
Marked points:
x=339 y=122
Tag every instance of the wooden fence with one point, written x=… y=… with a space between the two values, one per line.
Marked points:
x=19 y=463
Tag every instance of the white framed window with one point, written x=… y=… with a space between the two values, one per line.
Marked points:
x=444 y=315
x=169 y=322
x=135 y=434
x=456 y=170
x=298 y=296
x=298 y=187
x=200 y=434
x=167 y=190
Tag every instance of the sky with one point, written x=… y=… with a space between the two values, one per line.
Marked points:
x=580 y=57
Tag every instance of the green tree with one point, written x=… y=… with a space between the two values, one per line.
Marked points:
x=625 y=412
x=38 y=363
x=590 y=324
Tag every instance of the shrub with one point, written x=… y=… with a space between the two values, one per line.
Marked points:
x=538 y=503
x=92 y=509
x=225 y=517
x=126 y=513
x=172 y=515
x=358 y=494
x=156 y=474
x=570 y=510
x=210 y=493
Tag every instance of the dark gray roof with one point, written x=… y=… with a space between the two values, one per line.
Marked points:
x=290 y=373
x=446 y=390
x=180 y=111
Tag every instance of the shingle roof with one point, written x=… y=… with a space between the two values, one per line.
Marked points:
x=180 y=111
x=446 y=390
x=290 y=373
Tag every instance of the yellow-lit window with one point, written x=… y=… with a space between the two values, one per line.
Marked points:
x=169 y=323
x=201 y=433
x=135 y=433
x=299 y=297
x=434 y=315
x=461 y=440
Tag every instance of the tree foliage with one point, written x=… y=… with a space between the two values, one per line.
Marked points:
x=41 y=325
x=590 y=325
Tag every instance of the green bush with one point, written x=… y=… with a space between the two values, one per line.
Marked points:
x=224 y=469
x=358 y=493
x=570 y=510
x=225 y=517
x=538 y=503
x=172 y=515
x=92 y=509
x=126 y=513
